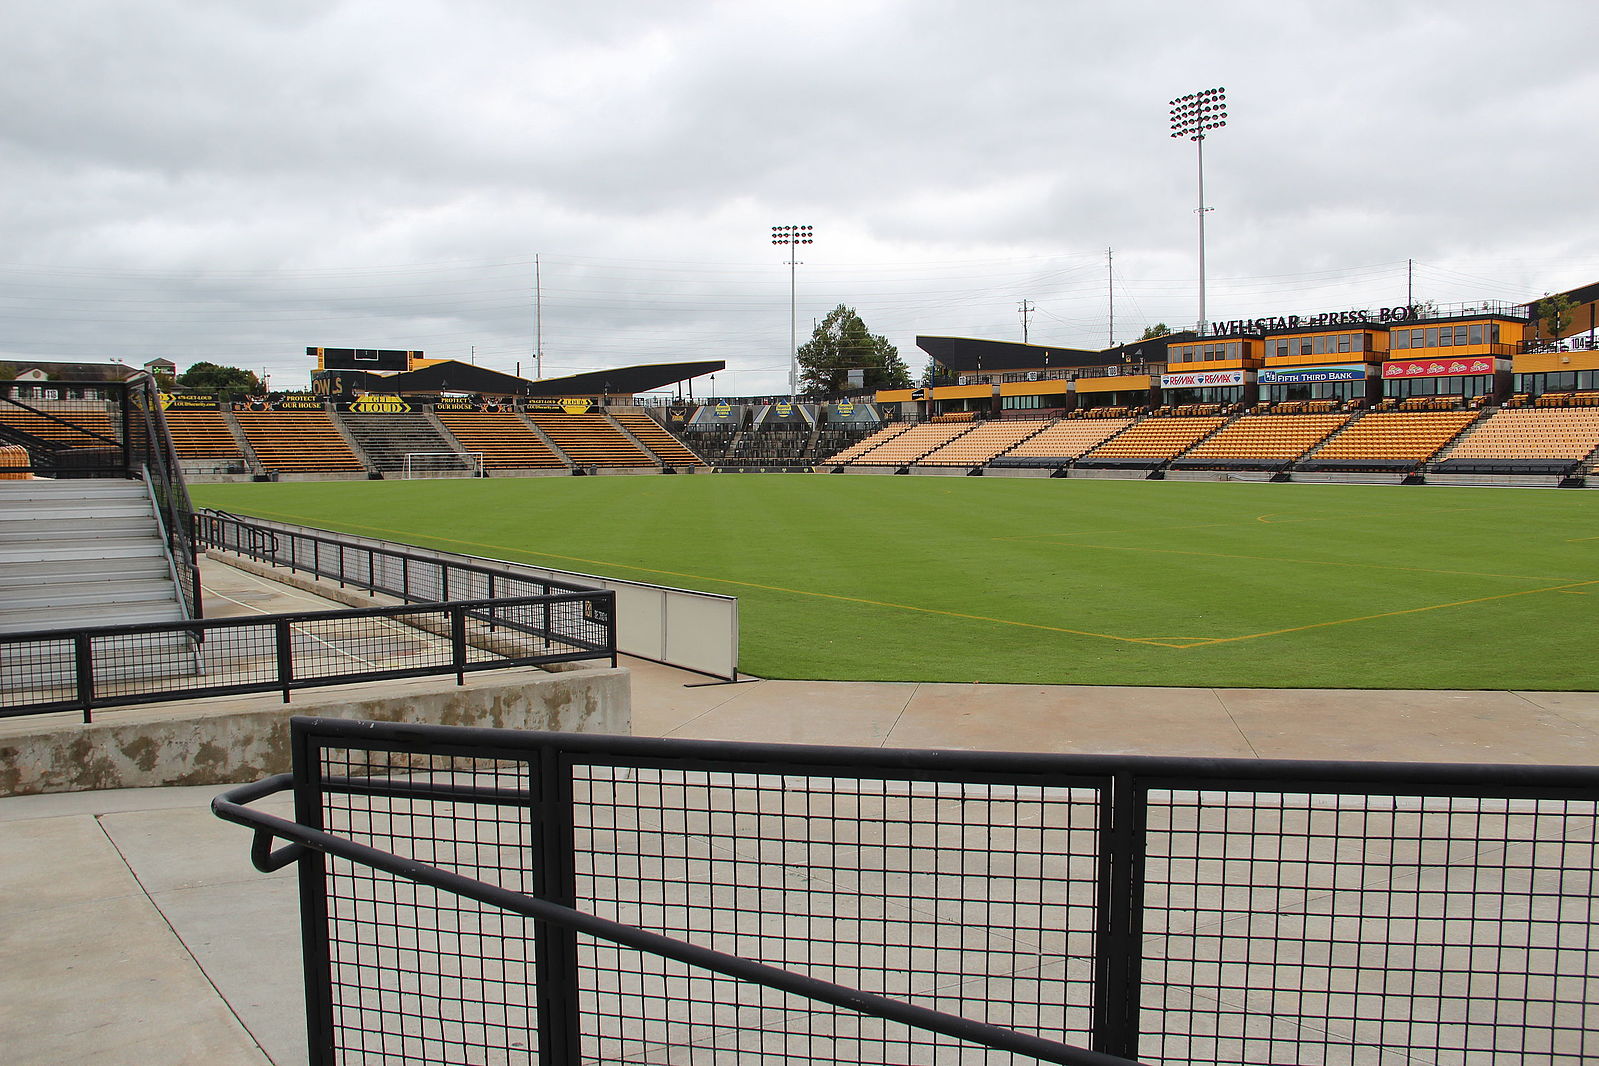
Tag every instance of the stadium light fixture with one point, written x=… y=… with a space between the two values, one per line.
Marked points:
x=1192 y=116
x=792 y=237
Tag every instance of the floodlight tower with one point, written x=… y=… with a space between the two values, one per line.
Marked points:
x=1191 y=116
x=793 y=237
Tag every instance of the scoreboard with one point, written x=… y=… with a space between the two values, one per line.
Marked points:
x=382 y=359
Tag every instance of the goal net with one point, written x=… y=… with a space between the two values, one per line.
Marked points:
x=443 y=464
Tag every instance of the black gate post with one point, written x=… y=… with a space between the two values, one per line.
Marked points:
x=313 y=877
x=1119 y=956
x=555 y=879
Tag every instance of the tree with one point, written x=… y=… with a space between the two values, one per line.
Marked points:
x=1554 y=316
x=209 y=377
x=1159 y=329
x=841 y=344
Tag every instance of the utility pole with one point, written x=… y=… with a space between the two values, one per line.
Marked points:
x=1410 y=283
x=1026 y=309
x=1110 y=287
x=538 y=320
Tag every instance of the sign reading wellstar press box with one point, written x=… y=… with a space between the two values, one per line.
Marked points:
x=1437 y=368
x=1202 y=379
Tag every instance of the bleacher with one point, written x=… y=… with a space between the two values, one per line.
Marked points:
x=910 y=445
x=653 y=435
x=1261 y=442
x=1151 y=442
x=778 y=445
x=1062 y=442
x=985 y=442
x=297 y=442
x=833 y=439
x=202 y=435
x=589 y=440
x=79 y=425
x=1528 y=436
x=1529 y=440
x=505 y=441
x=862 y=447
x=1389 y=441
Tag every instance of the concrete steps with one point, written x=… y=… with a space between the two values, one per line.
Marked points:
x=82 y=553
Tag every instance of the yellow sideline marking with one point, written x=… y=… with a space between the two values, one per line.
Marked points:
x=754 y=585
x=1392 y=614
x=1005 y=621
x=1313 y=562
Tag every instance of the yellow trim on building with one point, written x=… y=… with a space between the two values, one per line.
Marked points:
x=1119 y=383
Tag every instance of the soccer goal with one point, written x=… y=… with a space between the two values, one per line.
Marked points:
x=443 y=464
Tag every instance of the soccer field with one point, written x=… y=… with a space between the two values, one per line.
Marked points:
x=1063 y=581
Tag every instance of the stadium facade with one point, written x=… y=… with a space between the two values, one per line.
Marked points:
x=1353 y=357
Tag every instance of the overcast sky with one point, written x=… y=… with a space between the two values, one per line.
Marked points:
x=234 y=181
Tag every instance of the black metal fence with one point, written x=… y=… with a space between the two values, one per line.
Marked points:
x=106 y=429
x=493 y=896
x=81 y=670
x=408 y=576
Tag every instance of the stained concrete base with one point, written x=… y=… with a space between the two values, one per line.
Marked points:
x=239 y=738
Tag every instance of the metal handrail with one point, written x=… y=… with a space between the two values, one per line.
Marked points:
x=599 y=606
x=233 y=806
x=1150 y=833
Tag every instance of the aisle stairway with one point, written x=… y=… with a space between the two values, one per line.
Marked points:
x=82 y=553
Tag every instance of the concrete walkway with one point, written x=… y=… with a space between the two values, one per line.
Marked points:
x=134 y=930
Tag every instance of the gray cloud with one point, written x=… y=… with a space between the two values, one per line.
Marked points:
x=235 y=182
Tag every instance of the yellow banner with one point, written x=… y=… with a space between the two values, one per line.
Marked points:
x=375 y=403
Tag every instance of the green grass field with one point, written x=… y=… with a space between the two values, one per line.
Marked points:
x=1051 y=581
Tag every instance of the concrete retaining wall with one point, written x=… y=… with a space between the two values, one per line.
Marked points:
x=239 y=738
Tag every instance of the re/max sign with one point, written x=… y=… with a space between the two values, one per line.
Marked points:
x=1382 y=316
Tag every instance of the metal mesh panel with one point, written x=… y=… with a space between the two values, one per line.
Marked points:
x=1368 y=929
x=973 y=899
x=36 y=674
x=339 y=646
x=1199 y=914
x=421 y=976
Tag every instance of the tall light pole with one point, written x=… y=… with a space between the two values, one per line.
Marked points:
x=1191 y=116
x=793 y=237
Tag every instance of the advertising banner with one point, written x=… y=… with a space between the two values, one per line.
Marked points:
x=573 y=406
x=1305 y=374
x=374 y=403
x=1202 y=379
x=284 y=401
x=189 y=401
x=1437 y=368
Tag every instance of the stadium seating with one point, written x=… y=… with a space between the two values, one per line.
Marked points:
x=1541 y=440
x=1262 y=442
x=654 y=436
x=1152 y=441
x=297 y=442
x=1063 y=441
x=863 y=447
x=11 y=457
x=505 y=441
x=909 y=446
x=1389 y=440
x=202 y=435
x=76 y=427
x=983 y=443
x=388 y=438
x=589 y=440
x=770 y=445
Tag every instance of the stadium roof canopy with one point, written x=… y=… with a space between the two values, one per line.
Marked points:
x=962 y=354
x=450 y=375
